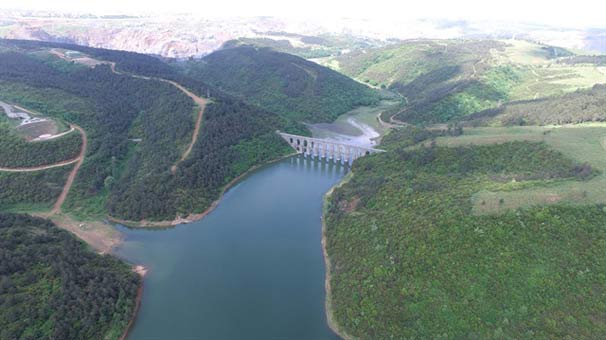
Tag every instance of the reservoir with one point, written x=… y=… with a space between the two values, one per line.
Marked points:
x=251 y=269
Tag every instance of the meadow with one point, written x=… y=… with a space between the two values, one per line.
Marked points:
x=584 y=143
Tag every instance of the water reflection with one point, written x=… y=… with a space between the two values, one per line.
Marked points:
x=323 y=166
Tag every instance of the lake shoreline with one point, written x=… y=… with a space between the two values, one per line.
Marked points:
x=136 y=250
x=141 y=271
x=330 y=318
x=144 y=224
x=170 y=224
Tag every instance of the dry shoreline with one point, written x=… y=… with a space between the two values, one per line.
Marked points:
x=330 y=318
x=142 y=271
x=195 y=217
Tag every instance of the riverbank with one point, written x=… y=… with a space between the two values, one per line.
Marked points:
x=330 y=318
x=358 y=127
x=195 y=217
x=142 y=271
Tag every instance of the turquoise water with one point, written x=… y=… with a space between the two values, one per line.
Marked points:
x=252 y=269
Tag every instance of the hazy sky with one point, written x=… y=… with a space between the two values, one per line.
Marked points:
x=562 y=13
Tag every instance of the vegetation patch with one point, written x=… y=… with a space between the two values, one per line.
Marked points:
x=282 y=83
x=585 y=144
x=577 y=107
x=444 y=81
x=53 y=287
x=16 y=152
x=32 y=191
x=137 y=128
x=411 y=260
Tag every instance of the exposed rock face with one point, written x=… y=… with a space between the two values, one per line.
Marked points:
x=175 y=37
x=189 y=36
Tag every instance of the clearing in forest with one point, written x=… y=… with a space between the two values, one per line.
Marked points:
x=583 y=143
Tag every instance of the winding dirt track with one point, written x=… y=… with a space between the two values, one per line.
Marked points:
x=201 y=102
x=72 y=175
x=42 y=167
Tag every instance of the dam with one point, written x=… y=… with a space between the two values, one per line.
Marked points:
x=327 y=149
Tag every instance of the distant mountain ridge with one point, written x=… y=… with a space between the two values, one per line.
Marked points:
x=184 y=36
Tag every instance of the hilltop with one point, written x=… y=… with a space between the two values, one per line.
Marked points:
x=282 y=83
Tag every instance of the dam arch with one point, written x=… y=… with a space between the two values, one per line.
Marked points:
x=327 y=149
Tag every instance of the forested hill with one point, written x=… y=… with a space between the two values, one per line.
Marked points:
x=137 y=130
x=410 y=258
x=577 y=107
x=53 y=287
x=282 y=83
x=447 y=80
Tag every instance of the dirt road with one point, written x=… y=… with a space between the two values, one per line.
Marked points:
x=194 y=138
x=72 y=175
x=201 y=102
x=42 y=167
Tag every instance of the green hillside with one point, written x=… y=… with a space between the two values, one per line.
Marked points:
x=397 y=65
x=412 y=258
x=446 y=80
x=138 y=125
x=577 y=107
x=16 y=152
x=31 y=191
x=308 y=47
x=282 y=83
x=53 y=287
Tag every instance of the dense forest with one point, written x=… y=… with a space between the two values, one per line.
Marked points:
x=234 y=137
x=113 y=109
x=16 y=152
x=26 y=191
x=435 y=97
x=410 y=260
x=282 y=83
x=53 y=287
x=577 y=107
x=138 y=128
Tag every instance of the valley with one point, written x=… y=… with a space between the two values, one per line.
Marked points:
x=481 y=216
x=361 y=126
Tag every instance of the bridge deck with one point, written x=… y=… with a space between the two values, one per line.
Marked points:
x=326 y=148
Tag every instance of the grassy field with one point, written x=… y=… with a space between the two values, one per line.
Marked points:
x=584 y=143
x=446 y=80
x=542 y=76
